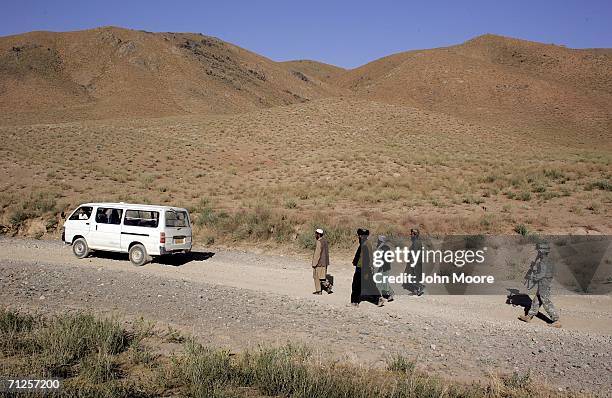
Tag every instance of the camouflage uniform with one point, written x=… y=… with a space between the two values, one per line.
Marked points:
x=541 y=274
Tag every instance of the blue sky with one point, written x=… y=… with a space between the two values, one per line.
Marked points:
x=344 y=33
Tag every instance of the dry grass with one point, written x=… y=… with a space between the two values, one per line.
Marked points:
x=102 y=358
x=272 y=175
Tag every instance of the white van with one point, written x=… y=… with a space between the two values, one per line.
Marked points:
x=140 y=230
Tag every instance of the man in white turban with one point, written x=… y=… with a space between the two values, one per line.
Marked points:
x=320 y=261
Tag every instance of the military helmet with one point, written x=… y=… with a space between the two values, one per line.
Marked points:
x=543 y=247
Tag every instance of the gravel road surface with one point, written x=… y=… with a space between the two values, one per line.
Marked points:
x=237 y=300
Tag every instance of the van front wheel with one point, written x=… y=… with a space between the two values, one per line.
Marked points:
x=80 y=248
x=138 y=255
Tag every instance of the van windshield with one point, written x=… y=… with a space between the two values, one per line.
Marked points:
x=176 y=218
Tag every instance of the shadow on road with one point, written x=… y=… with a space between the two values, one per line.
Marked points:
x=175 y=260
x=515 y=298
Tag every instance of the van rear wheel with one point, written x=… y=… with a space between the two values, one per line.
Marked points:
x=138 y=255
x=80 y=248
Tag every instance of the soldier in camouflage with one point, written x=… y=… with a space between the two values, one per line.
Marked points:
x=541 y=274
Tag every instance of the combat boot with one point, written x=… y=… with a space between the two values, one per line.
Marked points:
x=555 y=324
x=525 y=318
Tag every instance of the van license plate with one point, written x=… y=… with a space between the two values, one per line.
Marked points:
x=179 y=241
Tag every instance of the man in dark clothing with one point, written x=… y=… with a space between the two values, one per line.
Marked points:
x=384 y=287
x=417 y=245
x=361 y=262
x=362 y=235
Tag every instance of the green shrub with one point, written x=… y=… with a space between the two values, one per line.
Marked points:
x=521 y=229
x=554 y=174
x=524 y=196
x=279 y=371
x=307 y=240
x=174 y=336
x=549 y=195
x=110 y=389
x=518 y=381
x=69 y=338
x=603 y=185
x=204 y=370
x=206 y=216
x=472 y=200
x=99 y=367
x=51 y=224
x=19 y=216
x=15 y=322
x=491 y=178
x=399 y=363
x=139 y=354
x=37 y=204
x=40 y=203
x=15 y=331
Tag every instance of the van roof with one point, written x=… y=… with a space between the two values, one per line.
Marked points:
x=135 y=205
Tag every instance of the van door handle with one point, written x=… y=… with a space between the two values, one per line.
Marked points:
x=86 y=223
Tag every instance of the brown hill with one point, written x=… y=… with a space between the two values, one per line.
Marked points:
x=497 y=79
x=318 y=70
x=114 y=72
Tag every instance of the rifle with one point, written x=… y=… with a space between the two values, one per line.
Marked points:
x=530 y=282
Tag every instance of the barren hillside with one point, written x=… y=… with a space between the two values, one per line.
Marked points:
x=500 y=80
x=113 y=72
x=318 y=70
x=495 y=135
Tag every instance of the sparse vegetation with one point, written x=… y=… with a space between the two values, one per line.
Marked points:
x=100 y=358
x=399 y=363
x=604 y=185
x=285 y=184
x=521 y=229
x=290 y=204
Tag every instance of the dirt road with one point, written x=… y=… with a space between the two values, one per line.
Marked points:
x=238 y=300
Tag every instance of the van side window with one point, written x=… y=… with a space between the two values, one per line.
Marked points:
x=141 y=218
x=108 y=216
x=176 y=218
x=82 y=213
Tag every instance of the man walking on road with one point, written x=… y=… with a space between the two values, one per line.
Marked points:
x=320 y=261
x=362 y=235
x=415 y=269
x=541 y=275
x=361 y=278
x=385 y=287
